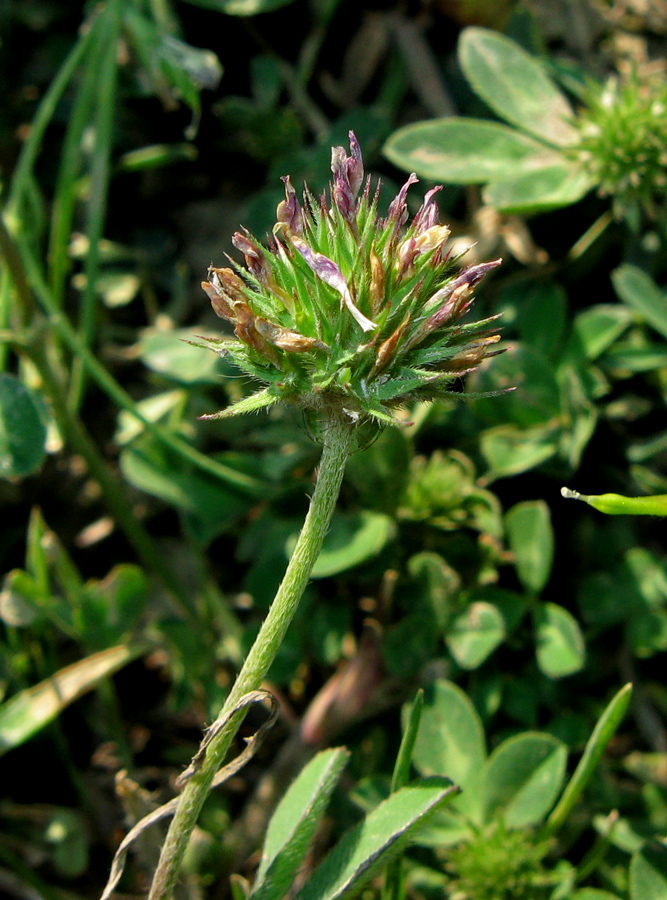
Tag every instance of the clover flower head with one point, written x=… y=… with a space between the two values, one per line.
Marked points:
x=345 y=312
x=623 y=141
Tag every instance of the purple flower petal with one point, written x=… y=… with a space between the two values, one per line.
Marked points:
x=254 y=257
x=398 y=210
x=289 y=210
x=427 y=214
x=355 y=164
x=327 y=270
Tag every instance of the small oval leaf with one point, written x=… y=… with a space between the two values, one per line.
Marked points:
x=450 y=740
x=351 y=540
x=642 y=294
x=22 y=430
x=522 y=778
x=515 y=85
x=548 y=187
x=560 y=643
x=648 y=873
x=474 y=634
x=466 y=151
x=531 y=540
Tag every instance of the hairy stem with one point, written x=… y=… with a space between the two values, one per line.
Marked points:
x=337 y=448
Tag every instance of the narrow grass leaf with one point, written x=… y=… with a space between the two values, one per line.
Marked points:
x=401 y=774
x=100 y=173
x=66 y=194
x=603 y=732
x=29 y=711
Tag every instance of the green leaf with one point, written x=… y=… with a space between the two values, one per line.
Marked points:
x=293 y=824
x=592 y=894
x=22 y=430
x=522 y=778
x=372 y=843
x=560 y=643
x=535 y=399
x=509 y=450
x=209 y=505
x=595 y=329
x=29 y=711
x=547 y=187
x=647 y=631
x=241 y=7
x=352 y=539
x=642 y=294
x=153 y=408
x=111 y=608
x=541 y=313
x=637 y=359
x=466 y=151
x=531 y=540
x=156 y=156
x=474 y=634
x=648 y=873
x=451 y=741
x=379 y=473
x=603 y=732
x=20 y=599
x=435 y=585
x=515 y=85
x=169 y=353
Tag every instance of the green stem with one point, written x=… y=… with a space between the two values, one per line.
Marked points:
x=96 y=206
x=337 y=447
x=112 y=490
x=47 y=108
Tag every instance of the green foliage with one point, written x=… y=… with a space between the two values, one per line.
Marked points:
x=505 y=865
x=552 y=157
x=22 y=429
x=451 y=562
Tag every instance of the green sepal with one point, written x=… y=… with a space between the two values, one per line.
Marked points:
x=261 y=400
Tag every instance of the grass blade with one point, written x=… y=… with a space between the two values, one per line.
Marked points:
x=603 y=732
